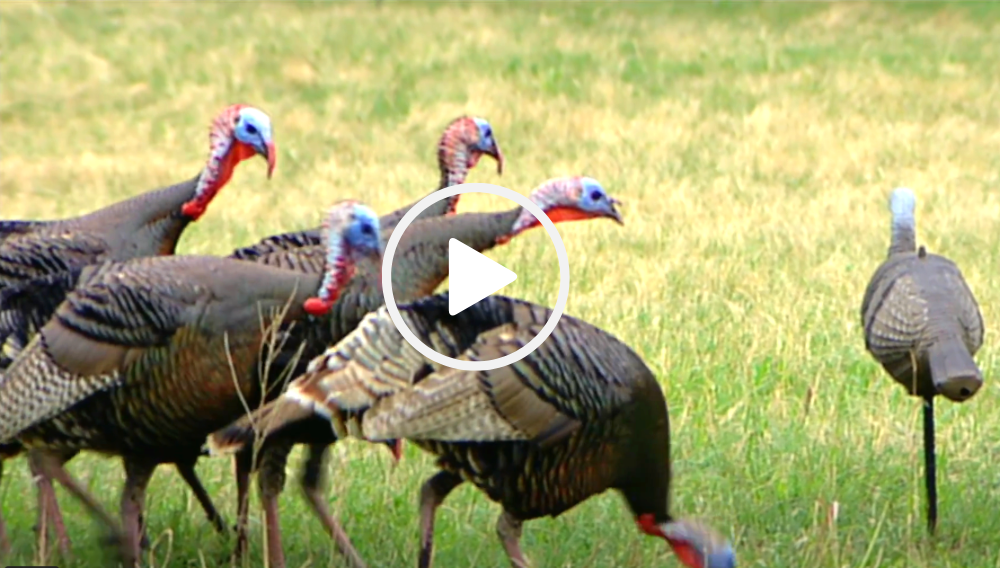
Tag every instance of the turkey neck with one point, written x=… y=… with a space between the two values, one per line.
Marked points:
x=450 y=175
x=904 y=233
x=153 y=218
x=645 y=474
x=454 y=174
x=479 y=231
x=421 y=260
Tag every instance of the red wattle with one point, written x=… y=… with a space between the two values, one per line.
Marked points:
x=193 y=209
x=647 y=524
x=317 y=307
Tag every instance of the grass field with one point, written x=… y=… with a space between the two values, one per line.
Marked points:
x=754 y=147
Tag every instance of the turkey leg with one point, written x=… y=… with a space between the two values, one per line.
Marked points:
x=509 y=531
x=243 y=465
x=48 y=509
x=312 y=483
x=432 y=494
x=4 y=542
x=271 y=480
x=930 y=465
x=51 y=466
x=137 y=475
x=186 y=469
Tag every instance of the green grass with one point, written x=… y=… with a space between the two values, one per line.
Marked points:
x=754 y=145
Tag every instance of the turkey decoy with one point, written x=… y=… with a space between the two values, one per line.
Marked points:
x=922 y=323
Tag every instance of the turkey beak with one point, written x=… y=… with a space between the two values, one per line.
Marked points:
x=497 y=155
x=615 y=214
x=271 y=155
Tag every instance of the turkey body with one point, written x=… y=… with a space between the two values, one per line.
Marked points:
x=578 y=416
x=144 y=357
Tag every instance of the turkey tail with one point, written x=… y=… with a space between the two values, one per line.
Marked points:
x=953 y=371
x=261 y=424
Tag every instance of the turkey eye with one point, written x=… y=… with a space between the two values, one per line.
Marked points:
x=251 y=129
x=595 y=195
x=487 y=132
x=367 y=229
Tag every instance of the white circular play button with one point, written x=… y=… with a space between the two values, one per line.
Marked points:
x=473 y=276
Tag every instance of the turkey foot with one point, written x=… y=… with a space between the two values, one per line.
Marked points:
x=432 y=494
x=312 y=483
x=509 y=531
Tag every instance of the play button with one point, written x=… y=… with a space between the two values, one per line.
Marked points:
x=472 y=276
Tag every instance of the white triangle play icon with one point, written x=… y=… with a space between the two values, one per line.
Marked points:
x=472 y=276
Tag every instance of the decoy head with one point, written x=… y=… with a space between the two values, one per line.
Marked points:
x=696 y=544
x=902 y=203
x=239 y=133
x=351 y=233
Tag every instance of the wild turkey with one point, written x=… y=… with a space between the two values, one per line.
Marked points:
x=44 y=253
x=419 y=267
x=579 y=415
x=145 y=358
x=462 y=143
x=39 y=259
x=923 y=325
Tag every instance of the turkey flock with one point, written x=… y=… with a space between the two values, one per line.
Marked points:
x=114 y=344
